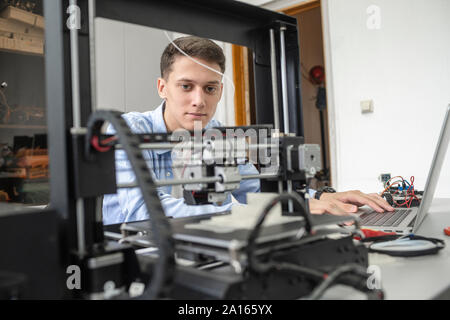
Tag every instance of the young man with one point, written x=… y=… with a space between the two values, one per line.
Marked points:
x=190 y=93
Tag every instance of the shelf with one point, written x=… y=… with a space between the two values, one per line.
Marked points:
x=18 y=44
x=21 y=32
x=31 y=19
x=22 y=126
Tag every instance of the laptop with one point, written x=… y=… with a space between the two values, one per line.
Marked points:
x=408 y=220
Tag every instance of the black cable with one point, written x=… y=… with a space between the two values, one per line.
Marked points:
x=332 y=279
x=253 y=263
x=285 y=266
x=162 y=272
x=375 y=294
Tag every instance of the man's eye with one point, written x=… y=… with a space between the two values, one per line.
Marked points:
x=211 y=89
x=185 y=86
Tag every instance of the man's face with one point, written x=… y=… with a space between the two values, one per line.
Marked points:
x=192 y=93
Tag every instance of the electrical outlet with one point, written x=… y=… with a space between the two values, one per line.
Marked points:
x=366 y=106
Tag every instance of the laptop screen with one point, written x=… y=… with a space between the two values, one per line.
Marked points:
x=436 y=166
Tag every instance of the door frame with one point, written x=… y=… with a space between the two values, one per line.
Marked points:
x=242 y=105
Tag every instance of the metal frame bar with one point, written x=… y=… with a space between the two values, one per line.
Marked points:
x=59 y=119
x=273 y=71
x=246 y=25
x=284 y=84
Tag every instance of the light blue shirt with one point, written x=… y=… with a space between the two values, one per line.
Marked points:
x=128 y=205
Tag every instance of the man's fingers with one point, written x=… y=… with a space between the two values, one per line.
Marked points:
x=374 y=201
x=362 y=199
x=359 y=199
x=348 y=202
x=326 y=206
x=376 y=195
x=347 y=207
x=381 y=202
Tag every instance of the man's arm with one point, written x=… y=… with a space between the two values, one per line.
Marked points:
x=128 y=204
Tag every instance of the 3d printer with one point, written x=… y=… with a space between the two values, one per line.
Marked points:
x=288 y=258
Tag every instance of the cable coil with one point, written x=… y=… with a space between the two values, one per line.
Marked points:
x=162 y=272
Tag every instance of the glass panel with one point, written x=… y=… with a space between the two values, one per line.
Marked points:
x=23 y=141
x=128 y=66
x=128 y=71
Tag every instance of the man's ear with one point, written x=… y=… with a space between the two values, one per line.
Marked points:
x=162 y=88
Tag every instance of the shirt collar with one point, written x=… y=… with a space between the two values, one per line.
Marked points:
x=159 y=126
x=158 y=119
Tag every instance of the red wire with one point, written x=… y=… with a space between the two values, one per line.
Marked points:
x=399 y=204
x=388 y=186
x=409 y=192
x=108 y=140
x=95 y=144
x=412 y=192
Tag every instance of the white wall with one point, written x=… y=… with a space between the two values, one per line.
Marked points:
x=127 y=68
x=127 y=64
x=404 y=66
x=311 y=54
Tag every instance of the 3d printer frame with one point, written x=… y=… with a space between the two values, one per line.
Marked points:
x=69 y=66
x=246 y=25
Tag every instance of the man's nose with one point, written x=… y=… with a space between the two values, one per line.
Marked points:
x=198 y=97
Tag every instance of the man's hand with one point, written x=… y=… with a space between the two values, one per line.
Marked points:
x=330 y=206
x=345 y=203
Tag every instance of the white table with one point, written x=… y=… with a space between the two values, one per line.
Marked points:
x=423 y=277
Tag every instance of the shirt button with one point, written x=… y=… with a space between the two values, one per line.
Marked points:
x=168 y=174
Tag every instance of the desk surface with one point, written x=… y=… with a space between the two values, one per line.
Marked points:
x=419 y=278
x=415 y=278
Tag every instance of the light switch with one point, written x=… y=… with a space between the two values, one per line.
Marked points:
x=366 y=106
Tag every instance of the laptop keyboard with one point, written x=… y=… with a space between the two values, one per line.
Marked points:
x=386 y=219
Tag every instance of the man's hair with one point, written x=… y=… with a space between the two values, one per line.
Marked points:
x=195 y=47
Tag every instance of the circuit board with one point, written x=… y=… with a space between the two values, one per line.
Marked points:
x=400 y=192
x=400 y=198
